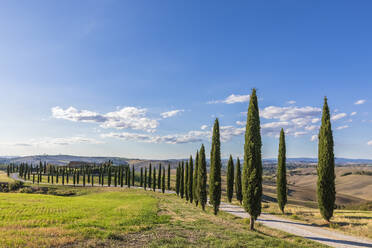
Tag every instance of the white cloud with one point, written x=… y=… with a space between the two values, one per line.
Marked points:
x=171 y=113
x=296 y=134
x=289 y=113
x=47 y=142
x=227 y=132
x=291 y=102
x=203 y=127
x=240 y=123
x=311 y=127
x=314 y=137
x=232 y=99
x=338 y=116
x=342 y=127
x=359 y=102
x=315 y=120
x=369 y=143
x=125 y=118
x=353 y=113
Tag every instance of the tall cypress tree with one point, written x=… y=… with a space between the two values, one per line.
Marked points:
x=238 y=182
x=215 y=169
x=141 y=178
x=195 y=180
x=145 y=182
x=230 y=179
x=187 y=181
x=128 y=176
x=190 y=180
x=163 y=182
x=159 y=177
x=202 y=178
x=150 y=171
x=133 y=177
x=178 y=180
x=182 y=180
x=109 y=176
x=169 y=177
x=154 y=180
x=252 y=169
x=326 y=191
x=281 y=180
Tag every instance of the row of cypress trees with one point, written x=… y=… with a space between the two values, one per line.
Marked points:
x=149 y=180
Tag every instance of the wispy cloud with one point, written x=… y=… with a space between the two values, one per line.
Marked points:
x=359 y=102
x=232 y=99
x=291 y=102
x=204 y=127
x=338 y=116
x=353 y=113
x=171 y=113
x=369 y=143
x=48 y=141
x=314 y=137
x=125 y=118
x=342 y=127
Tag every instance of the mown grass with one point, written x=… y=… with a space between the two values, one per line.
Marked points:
x=354 y=222
x=4 y=178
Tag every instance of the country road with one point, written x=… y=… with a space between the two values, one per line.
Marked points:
x=322 y=235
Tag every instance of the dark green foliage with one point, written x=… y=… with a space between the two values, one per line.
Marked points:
x=215 y=169
x=128 y=176
x=150 y=171
x=74 y=178
x=186 y=187
x=92 y=179
x=159 y=177
x=78 y=177
x=121 y=176
x=178 y=179
x=154 y=180
x=281 y=179
x=202 y=178
x=163 y=182
x=145 y=182
x=252 y=169
x=190 y=179
x=195 y=180
x=238 y=182
x=109 y=176
x=115 y=178
x=133 y=176
x=169 y=177
x=141 y=178
x=230 y=179
x=182 y=180
x=326 y=191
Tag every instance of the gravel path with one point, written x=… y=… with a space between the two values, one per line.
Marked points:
x=308 y=231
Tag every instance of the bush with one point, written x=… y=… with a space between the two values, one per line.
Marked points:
x=15 y=185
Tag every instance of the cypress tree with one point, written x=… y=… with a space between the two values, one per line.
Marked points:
x=145 y=182
x=128 y=176
x=326 y=191
x=281 y=180
x=116 y=178
x=109 y=176
x=33 y=178
x=102 y=176
x=202 y=178
x=163 y=182
x=150 y=171
x=182 y=180
x=190 y=180
x=186 y=180
x=252 y=169
x=230 y=179
x=169 y=177
x=154 y=180
x=78 y=177
x=88 y=175
x=121 y=176
x=238 y=182
x=178 y=180
x=83 y=178
x=133 y=177
x=159 y=177
x=74 y=178
x=57 y=175
x=195 y=180
x=92 y=179
x=215 y=169
x=141 y=178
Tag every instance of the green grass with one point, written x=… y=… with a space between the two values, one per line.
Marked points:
x=4 y=178
x=46 y=220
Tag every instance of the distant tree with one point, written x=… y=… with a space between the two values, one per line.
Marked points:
x=78 y=177
x=109 y=176
x=182 y=180
x=178 y=179
x=83 y=178
x=230 y=179
x=128 y=176
x=116 y=178
x=169 y=177
x=238 y=182
x=252 y=170
x=326 y=190
x=141 y=178
x=215 y=169
x=154 y=180
x=159 y=177
x=186 y=180
x=92 y=179
x=33 y=178
x=190 y=179
x=150 y=178
x=163 y=182
x=202 y=178
x=73 y=179
x=121 y=176
x=57 y=175
x=102 y=176
x=195 y=180
x=281 y=180
x=145 y=181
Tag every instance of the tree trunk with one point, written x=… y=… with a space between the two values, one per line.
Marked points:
x=251 y=224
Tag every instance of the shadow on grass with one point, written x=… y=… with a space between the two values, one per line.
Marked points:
x=344 y=242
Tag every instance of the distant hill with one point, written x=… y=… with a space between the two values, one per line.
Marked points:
x=65 y=159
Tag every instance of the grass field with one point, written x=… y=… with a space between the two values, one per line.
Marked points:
x=4 y=178
x=114 y=217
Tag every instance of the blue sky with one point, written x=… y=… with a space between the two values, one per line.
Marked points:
x=147 y=78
